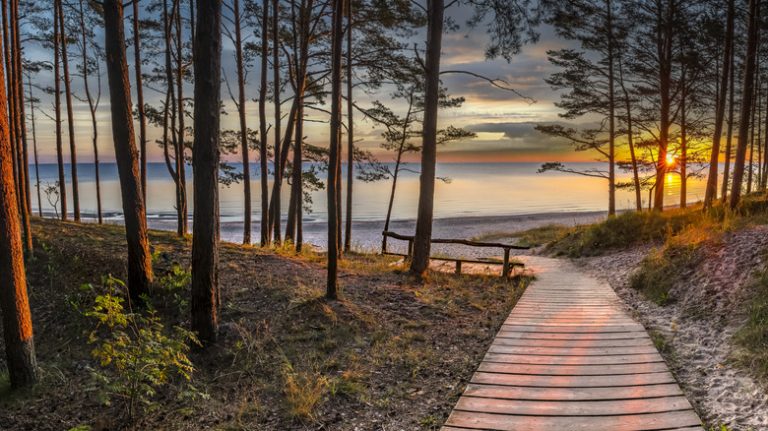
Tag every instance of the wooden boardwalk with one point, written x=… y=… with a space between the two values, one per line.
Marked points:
x=569 y=358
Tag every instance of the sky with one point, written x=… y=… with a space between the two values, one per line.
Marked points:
x=504 y=122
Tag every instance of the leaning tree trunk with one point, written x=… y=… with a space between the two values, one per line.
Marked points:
x=14 y=303
x=422 y=240
x=714 y=159
x=139 y=257
x=57 y=108
x=140 y=100
x=264 y=169
x=70 y=116
x=746 y=103
x=205 y=161
x=337 y=35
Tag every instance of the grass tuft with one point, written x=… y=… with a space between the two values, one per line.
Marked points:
x=752 y=338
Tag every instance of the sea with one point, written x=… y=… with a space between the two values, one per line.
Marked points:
x=465 y=191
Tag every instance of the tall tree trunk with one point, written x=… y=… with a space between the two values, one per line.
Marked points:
x=170 y=111
x=14 y=303
x=611 y=113
x=140 y=100
x=20 y=129
x=753 y=127
x=94 y=123
x=21 y=120
x=8 y=62
x=70 y=115
x=181 y=146
x=350 y=133
x=422 y=240
x=205 y=160
x=746 y=102
x=631 y=142
x=34 y=147
x=139 y=257
x=57 y=108
x=337 y=36
x=664 y=46
x=301 y=46
x=714 y=159
x=731 y=120
x=263 y=153
x=278 y=174
x=683 y=144
x=764 y=149
x=243 y=127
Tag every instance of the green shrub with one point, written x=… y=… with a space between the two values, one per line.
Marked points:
x=173 y=288
x=136 y=354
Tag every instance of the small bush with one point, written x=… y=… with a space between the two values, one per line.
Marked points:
x=752 y=338
x=660 y=270
x=304 y=391
x=137 y=355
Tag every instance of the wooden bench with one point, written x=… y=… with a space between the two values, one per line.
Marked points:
x=507 y=264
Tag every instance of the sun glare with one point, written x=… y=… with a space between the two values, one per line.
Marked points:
x=671 y=159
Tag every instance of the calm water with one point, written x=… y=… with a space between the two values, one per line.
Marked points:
x=475 y=189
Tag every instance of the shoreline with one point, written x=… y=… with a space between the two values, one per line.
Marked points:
x=366 y=234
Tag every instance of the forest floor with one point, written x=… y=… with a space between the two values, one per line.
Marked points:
x=394 y=354
x=699 y=283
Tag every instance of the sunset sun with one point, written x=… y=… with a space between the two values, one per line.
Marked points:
x=671 y=159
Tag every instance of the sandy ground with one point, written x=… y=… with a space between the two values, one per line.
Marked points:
x=367 y=234
x=700 y=324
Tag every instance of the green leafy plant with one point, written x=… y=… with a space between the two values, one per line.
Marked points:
x=136 y=354
x=173 y=285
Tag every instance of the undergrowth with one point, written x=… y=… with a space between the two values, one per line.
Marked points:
x=752 y=338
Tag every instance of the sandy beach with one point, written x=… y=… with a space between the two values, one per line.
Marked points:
x=367 y=234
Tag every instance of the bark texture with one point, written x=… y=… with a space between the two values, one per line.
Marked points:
x=422 y=240
x=205 y=160
x=14 y=303
x=139 y=258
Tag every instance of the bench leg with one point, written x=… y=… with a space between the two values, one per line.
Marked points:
x=505 y=269
x=458 y=267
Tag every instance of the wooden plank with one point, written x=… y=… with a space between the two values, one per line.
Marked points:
x=567 y=343
x=577 y=329
x=640 y=422
x=574 y=408
x=573 y=351
x=572 y=381
x=561 y=336
x=569 y=357
x=571 y=360
x=572 y=394
x=572 y=370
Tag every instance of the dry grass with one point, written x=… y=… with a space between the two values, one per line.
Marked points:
x=393 y=352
